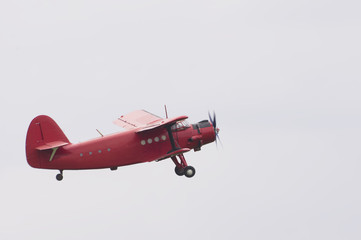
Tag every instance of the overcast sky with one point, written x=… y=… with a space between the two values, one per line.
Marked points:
x=282 y=76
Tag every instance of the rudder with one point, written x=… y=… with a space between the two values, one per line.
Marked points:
x=43 y=134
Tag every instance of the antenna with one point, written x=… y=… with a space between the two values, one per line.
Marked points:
x=166 y=112
x=99 y=133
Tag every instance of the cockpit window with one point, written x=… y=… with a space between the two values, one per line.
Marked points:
x=180 y=126
x=204 y=124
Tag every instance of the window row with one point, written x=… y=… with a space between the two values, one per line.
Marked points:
x=150 y=140
x=91 y=153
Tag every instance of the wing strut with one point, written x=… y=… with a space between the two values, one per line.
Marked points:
x=171 y=138
x=53 y=153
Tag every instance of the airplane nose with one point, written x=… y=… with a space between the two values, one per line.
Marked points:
x=214 y=123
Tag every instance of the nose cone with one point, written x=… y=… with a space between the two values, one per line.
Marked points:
x=209 y=133
x=203 y=132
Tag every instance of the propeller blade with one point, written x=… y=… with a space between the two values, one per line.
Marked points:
x=214 y=120
x=219 y=139
x=210 y=117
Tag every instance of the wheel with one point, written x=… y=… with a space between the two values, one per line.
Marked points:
x=189 y=171
x=179 y=171
x=59 y=176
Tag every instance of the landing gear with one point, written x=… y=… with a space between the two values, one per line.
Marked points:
x=189 y=171
x=179 y=171
x=59 y=176
x=182 y=168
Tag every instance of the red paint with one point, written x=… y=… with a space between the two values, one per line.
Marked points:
x=146 y=139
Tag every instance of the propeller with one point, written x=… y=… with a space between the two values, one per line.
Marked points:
x=214 y=123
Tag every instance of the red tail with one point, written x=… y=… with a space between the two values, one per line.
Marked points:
x=43 y=134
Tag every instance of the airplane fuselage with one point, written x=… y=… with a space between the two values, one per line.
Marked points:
x=119 y=149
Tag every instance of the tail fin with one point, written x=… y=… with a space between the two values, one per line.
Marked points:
x=43 y=134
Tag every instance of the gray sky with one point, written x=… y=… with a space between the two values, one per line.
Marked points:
x=283 y=77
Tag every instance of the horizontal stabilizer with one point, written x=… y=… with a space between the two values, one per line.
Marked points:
x=51 y=145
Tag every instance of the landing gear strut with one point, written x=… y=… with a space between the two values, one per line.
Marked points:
x=182 y=168
x=59 y=176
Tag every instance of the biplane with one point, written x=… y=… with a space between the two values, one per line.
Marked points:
x=147 y=138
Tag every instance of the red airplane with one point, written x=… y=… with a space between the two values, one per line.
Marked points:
x=147 y=138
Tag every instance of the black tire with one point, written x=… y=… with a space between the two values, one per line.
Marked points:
x=179 y=171
x=189 y=171
x=59 y=177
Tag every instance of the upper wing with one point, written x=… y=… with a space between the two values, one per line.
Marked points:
x=137 y=119
x=144 y=121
